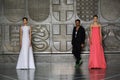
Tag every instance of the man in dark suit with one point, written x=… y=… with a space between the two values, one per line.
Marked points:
x=78 y=40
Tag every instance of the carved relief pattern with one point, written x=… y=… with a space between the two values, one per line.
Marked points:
x=39 y=9
x=40 y=37
x=86 y=9
x=111 y=35
x=14 y=10
x=0 y=37
x=62 y=9
x=14 y=37
x=110 y=10
x=0 y=8
x=61 y=37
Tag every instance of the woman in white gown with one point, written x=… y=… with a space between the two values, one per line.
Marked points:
x=25 y=60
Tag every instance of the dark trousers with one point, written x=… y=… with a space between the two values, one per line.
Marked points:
x=76 y=51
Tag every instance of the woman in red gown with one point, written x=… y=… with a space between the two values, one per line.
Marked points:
x=96 y=58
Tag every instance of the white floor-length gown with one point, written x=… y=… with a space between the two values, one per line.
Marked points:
x=25 y=59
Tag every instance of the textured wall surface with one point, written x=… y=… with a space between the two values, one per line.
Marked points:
x=52 y=22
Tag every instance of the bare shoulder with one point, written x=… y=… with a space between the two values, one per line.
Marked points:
x=91 y=25
x=30 y=27
x=99 y=24
x=20 y=27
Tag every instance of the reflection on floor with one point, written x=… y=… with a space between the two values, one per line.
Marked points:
x=25 y=74
x=61 y=71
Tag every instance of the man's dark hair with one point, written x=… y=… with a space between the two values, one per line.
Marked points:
x=77 y=20
x=95 y=16
x=25 y=18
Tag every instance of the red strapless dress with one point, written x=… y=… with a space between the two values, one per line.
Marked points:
x=96 y=58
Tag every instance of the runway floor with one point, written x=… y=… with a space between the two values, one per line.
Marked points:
x=61 y=71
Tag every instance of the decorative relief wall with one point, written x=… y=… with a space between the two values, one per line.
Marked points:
x=63 y=10
x=86 y=9
x=52 y=22
x=0 y=37
x=38 y=9
x=0 y=8
x=61 y=37
x=14 y=10
x=111 y=37
x=14 y=37
x=41 y=38
x=11 y=37
x=110 y=9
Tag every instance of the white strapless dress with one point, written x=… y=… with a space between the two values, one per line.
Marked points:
x=25 y=59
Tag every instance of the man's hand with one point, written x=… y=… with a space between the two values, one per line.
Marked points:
x=82 y=45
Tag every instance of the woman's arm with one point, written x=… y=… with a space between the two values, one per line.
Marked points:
x=20 y=36
x=30 y=35
x=90 y=34
x=100 y=33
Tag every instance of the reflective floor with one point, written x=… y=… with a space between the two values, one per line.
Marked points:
x=61 y=71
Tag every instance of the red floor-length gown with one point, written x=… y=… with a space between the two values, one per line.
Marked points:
x=96 y=58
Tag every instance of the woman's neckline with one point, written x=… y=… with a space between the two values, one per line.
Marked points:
x=96 y=26
x=24 y=25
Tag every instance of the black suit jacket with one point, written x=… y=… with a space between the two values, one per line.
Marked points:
x=78 y=39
